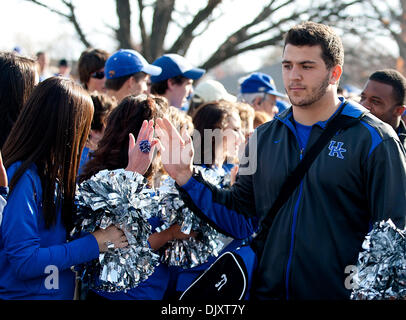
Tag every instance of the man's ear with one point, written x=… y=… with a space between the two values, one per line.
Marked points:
x=399 y=110
x=170 y=83
x=129 y=82
x=336 y=74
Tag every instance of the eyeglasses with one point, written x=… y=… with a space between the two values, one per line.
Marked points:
x=97 y=75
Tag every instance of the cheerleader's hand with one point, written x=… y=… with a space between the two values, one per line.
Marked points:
x=159 y=239
x=177 y=234
x=139 y=161
x=3 y=174
x=111 y=234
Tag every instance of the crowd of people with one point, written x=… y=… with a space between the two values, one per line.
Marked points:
x=228 y=158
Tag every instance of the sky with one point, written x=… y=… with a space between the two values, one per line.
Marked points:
x=35 y=28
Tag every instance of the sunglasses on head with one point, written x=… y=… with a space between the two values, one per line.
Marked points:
x=97 y=74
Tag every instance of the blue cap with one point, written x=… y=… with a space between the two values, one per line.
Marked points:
x=125 y=62
x=175 y=65
x=259 y=82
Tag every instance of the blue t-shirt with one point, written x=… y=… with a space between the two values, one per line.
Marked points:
x=303 y=134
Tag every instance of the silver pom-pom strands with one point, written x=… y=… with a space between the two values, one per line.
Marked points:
x=191 y=252
x=120 y=198
x=381 y=268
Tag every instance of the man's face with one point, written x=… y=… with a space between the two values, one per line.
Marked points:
x=305 y=75
x=379 y=99
x=180 y=92
x=267 y=104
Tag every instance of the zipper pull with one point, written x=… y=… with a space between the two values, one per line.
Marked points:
x=301 y=153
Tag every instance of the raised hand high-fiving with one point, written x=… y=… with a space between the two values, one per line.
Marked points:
x=177 y=151
x=139 y=161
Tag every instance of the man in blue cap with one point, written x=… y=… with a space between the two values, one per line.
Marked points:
x=127 y=73
x=259 y=90
x=176 y=80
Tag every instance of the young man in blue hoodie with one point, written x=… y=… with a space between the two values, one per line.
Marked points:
x=357 y=179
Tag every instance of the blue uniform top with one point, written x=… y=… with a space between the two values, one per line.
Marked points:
x=34 y=261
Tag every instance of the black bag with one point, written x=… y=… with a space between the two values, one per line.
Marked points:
x=228 y=278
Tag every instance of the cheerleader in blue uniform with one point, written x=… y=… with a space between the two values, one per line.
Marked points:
x=41 y=156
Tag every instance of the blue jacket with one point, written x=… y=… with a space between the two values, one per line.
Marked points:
x=357 y=179
x=35 y=262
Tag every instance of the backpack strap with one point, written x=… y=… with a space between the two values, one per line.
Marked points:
x=339 y=122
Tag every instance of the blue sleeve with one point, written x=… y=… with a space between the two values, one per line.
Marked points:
x=218 y=206
x=22 y=240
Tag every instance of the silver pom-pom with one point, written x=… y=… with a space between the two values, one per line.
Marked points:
x=191 y=252
x=381 y=268
x=119 y=198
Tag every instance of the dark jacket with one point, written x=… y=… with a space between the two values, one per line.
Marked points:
x=401 y=131
x=357 y=179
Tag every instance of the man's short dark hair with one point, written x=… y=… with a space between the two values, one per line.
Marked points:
x=313 y=34
x=393 y=78
x=161 y=87
x=116 y=83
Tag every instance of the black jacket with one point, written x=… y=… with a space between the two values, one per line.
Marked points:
x=357 y=179
x=401 y=131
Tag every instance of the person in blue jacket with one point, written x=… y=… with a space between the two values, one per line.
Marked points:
x=133 y=119
x=358 y=178
x=41 y=156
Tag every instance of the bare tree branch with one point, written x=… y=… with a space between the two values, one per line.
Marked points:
x=234 y=44
x=162 y=17
x=182 y=44
x=71 y=17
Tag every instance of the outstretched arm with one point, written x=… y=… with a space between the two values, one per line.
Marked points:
x=231 y=212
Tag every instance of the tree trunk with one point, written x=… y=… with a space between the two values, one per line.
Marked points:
x=123 y=33
x=162 y=17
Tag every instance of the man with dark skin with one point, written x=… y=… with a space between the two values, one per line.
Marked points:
x=384 y=95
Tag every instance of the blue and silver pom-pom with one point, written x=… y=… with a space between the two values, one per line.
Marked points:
x=145 y=146
x=190 y=252
x=380 y=272
x=119 y=198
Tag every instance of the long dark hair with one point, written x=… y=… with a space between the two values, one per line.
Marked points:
x=17 y=80
x=126 y=118
x=212 y=115
x=51 y=132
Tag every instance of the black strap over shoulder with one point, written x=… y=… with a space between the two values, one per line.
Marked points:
x=339 y=122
